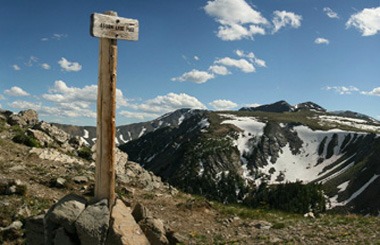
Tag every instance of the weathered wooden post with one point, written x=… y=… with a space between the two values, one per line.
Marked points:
x=108 y=27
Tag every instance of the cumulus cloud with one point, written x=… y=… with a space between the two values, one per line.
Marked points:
x=237 y=19
x=375 y=92
x=330 y=13
x=219 y=70
x=251 y=57
x=366 y=21
x=342 y=89
x=170 y=102
x=16 y=91
x=45 y=66
x=195 y=76
x=16 y=67
x=69 y=66
x=220 y=105
x=282 y=19
x=61 y=93
x=61 y=111
x=321 y=40
x=241 y=64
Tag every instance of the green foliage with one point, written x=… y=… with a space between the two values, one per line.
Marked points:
x=290 y=197
x=22 y=138
x=85 y=153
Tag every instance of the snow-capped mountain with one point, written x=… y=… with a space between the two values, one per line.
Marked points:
x=134 y=131
x=342 y=152
x=196 y=150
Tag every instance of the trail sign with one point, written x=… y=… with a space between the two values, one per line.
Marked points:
x=114 y=27
x=109 y=27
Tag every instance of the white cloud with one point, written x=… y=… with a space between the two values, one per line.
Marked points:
x=330 y=13
x=321 y=40
x=367 y=21
x=223 y=105
x=61 y=93
x=139 y=115
x=251 y=57
x=16 y=91
x=45 y=66
x=283 y=18
x=31 y=61
x=68 y=65
x=56 y=36
x=69 y=110
x=16 y=67
x=219 y=70
x=168 y=103
x=237 y=19
x=195 y=76
x=375 y=92
x=253 y=105
x=196 y=58
x=342 y=89
x=241 y=64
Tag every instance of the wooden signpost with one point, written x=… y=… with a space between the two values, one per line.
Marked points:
x=108 y=27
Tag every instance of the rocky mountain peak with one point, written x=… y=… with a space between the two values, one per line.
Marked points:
x=280 y=106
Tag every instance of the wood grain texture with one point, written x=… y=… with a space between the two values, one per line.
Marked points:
x=106 y=128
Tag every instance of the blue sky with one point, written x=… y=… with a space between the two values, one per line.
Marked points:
x=217 y=55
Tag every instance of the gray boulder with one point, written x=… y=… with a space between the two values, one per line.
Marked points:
x=34 y=229
x=93 y=223
x=63 y=214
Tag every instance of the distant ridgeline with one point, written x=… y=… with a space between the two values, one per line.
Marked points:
x=250 y=155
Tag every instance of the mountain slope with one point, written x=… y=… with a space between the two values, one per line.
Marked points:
x=308 y=145
x=130 y=132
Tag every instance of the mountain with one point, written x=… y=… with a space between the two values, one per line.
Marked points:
x=283 y=106
x=40 y=164
x=273 y=144
x=130 y=132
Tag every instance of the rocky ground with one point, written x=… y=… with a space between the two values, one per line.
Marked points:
x=32 y=179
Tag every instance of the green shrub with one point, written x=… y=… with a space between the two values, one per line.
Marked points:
x=24 y=139
x=85 y=153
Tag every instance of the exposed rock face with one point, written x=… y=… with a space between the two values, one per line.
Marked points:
x=24 y=118
x=124 y=229
x=55 y=155
x=57 y=134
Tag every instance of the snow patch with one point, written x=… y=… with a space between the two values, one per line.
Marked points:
x=142 y=132
x=334 y=200
x=204 y=123
x=86 y=134
x=303 y=166
x=348 y=121
x=122 y=138
x=180 y=120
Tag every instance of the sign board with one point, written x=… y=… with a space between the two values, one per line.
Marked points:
x=114 y=27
